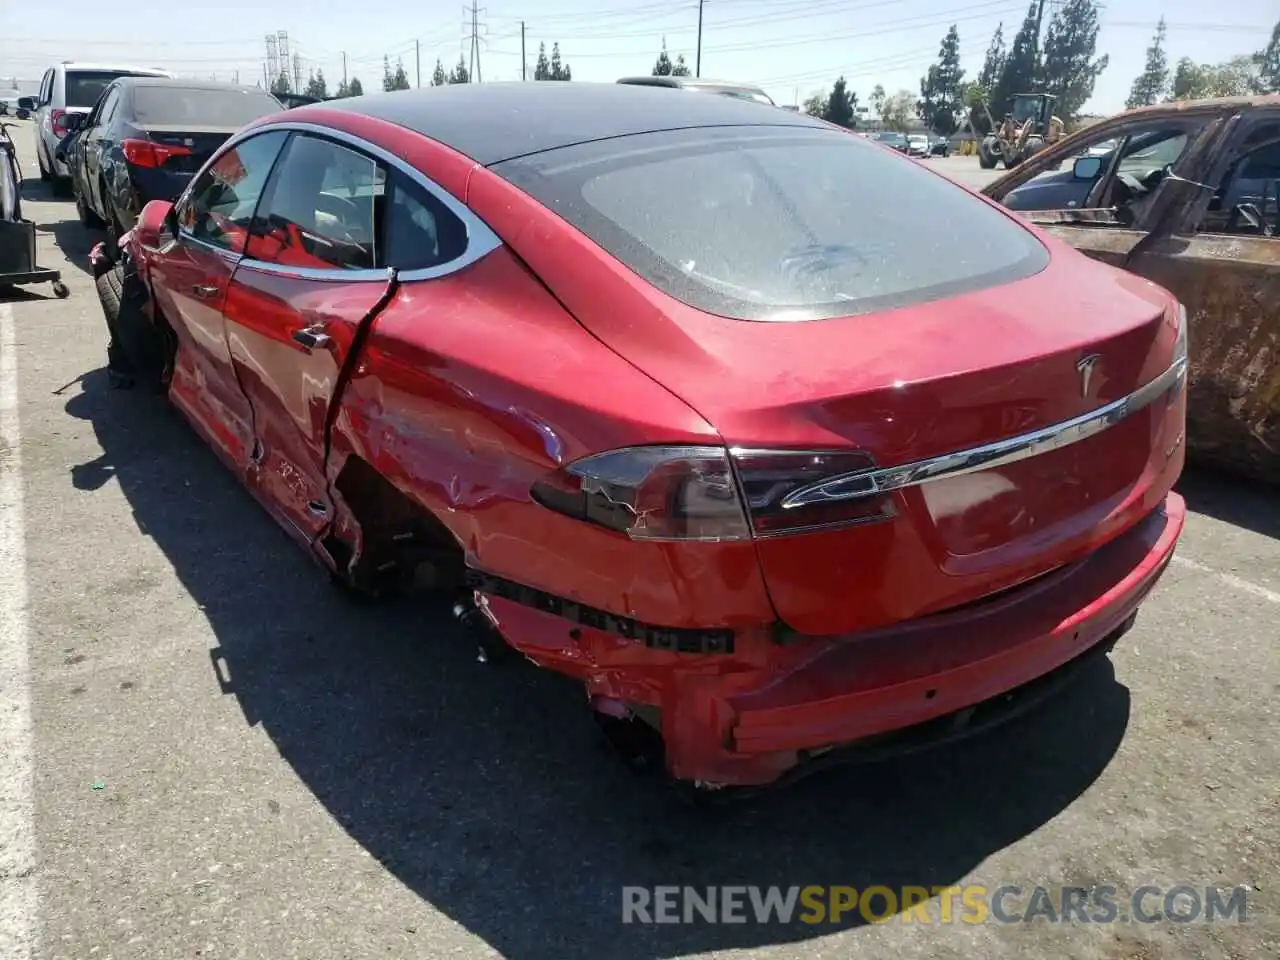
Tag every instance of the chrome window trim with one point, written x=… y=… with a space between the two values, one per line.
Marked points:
x=875 y=481
x=481 y=240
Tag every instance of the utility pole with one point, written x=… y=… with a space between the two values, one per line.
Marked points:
x=697 y=63
x=344 y=69
x=417 y=60
x=1039 y=20
x=523 y=68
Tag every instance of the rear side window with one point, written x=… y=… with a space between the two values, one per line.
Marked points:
x=780 y=224
x=84 y=87
x=200 y=108
x=321 y=209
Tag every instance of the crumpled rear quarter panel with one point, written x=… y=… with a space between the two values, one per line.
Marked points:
x=472 y=387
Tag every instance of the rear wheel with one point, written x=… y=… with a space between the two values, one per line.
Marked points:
x=986 y=159
x=44 y=171
x=87 y=216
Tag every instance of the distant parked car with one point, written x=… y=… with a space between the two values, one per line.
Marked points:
x=743 y=91
x=68 y=89
x=918 y=145
x=891 y=138
x=146 y=137
x=939 y=146
x=9 y=102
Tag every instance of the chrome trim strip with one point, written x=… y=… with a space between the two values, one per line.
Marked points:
x=878 y=480
x=481 y=240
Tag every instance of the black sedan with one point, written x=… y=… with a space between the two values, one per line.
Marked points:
x=146 y=137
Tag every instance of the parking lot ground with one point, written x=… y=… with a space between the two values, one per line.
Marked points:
x=205 y=751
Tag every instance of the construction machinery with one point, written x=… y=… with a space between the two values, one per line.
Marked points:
x=1025 y=130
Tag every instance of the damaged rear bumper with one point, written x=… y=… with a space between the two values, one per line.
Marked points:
x=761 y=711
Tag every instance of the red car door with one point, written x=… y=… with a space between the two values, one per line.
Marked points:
x=297 y=301
x=191 y=280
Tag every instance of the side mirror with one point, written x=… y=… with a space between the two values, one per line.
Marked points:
x=1086 y=168
x=157 y=224
x=26 y=103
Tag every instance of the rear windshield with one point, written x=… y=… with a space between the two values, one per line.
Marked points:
x=84 y=87
x=778 y=223
x=197 y=107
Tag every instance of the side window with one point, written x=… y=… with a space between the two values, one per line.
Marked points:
x=1116 y=175
x=105 y=108
x=1247 y=200
x=420 y=231
x=220 y=207
x=46 y=87
x=322 y=208
x=109 y=106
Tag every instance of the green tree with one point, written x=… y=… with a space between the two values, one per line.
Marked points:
x=542 y=67
x=316 y=86
x=877 y=100
x=281 y=84
x=1152 y=85
x=1070 y=69
x=982 y=91
x=394 y=79
x=940 y=103
x=680 y=68
x=559 y=70
x=438 y=77
x=662 y=68
x=355 y=89
x=1236 y=77
x=460 y=73
x=1020 y=69
x=897 y=110
x=343 y=90
x=816 y=105
x=1268 y=60
x=841 y=104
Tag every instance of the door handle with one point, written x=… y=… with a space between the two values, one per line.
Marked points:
x=203 y=292
x=313 y=338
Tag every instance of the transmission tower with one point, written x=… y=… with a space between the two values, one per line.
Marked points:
x=282 y=43
x=273 y=61
x=297 y=73
x=473 y=12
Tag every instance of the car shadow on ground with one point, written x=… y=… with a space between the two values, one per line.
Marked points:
x=486 y=789
x=1251 y=506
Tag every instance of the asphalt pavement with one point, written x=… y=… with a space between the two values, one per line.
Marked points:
x=206 y=751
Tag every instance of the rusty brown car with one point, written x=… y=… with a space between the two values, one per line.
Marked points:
x=1185 y=195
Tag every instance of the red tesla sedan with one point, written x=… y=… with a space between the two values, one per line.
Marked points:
x=676 y=393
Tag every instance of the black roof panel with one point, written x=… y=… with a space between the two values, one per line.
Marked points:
x=492 y=122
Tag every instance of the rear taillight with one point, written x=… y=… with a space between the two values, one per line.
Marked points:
x=707 y=493
x=58 y=120
x=146 y=153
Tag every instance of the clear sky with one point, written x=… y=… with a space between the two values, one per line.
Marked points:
x=790 y=47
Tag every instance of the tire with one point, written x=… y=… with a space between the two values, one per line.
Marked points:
x=87 y=217
x=44 y=172
x=987 y=161
x=139 y=341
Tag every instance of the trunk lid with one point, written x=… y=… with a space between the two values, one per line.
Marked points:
x=188 y=148
x=929 y=380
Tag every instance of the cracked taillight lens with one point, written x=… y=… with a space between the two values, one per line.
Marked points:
x=705 y=493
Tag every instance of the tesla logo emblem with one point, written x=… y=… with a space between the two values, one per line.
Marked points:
x=1085 y=365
